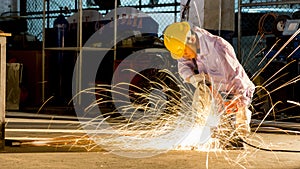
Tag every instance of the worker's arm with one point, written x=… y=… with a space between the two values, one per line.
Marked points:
x=199 y=78
x=186 y=69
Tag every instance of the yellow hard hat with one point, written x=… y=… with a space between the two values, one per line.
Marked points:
x=175 y=37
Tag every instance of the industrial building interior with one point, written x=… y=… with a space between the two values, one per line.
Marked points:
x=45 y=72
x=50 y=39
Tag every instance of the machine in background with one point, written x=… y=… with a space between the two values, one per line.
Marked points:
x=283 y=68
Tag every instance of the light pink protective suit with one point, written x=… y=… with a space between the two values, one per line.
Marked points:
x=217 y=59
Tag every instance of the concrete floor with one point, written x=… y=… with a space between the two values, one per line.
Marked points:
x=44 y=157
x=35 y=157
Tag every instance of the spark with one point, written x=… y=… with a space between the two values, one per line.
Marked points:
x=293 y=102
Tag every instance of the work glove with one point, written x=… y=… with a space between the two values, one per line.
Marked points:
x=199 y=78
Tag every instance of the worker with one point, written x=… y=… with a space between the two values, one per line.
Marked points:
x=204 y=57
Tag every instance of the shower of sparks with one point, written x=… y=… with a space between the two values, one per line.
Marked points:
x=159 y=118
x=152 y=120
x=162 y=117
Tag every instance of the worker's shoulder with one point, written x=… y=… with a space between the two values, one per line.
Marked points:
x=201 y=30
x=203 y=33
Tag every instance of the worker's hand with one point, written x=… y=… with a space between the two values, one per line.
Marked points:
x=199 y=78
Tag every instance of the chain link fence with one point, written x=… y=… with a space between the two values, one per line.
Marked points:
x=261 y=19
x=163 y=13
x=257 y=19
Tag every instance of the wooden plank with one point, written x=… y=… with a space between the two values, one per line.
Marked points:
x=5 y=34
x=2 y=88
